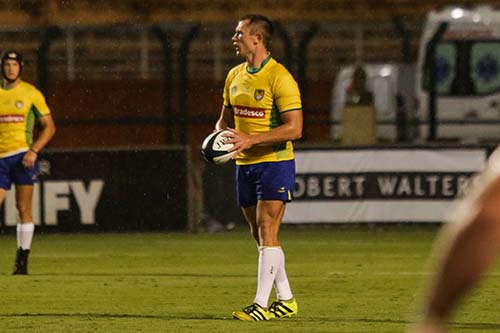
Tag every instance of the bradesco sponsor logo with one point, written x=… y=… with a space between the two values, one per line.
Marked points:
x=248 y=112
x=12 y=118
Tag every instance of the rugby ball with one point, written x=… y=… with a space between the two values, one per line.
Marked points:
x=215 y=147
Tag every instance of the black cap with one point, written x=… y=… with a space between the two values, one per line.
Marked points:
x=12 y=55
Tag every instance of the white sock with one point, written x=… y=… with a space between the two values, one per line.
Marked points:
x=25 y=233
x=281 y=284
x=269 y=262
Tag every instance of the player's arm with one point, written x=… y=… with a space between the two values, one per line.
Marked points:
x=47 y=131
x=291 y=129
x=226 y=119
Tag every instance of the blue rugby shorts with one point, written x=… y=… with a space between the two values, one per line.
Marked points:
x=265 y=181
x=13 y=171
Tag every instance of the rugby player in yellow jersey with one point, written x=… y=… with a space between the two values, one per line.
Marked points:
x=263 y=111
x=21 y=105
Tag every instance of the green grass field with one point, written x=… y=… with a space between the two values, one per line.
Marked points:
x=345 y=279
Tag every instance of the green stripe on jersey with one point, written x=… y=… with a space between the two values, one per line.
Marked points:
x=275 y=119
x=30 y=123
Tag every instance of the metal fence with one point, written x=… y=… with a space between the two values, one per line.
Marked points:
x=182 y=57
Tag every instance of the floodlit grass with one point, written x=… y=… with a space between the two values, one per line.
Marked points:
x=345 y=279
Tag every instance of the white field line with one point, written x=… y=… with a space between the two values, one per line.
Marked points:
x=364 y=273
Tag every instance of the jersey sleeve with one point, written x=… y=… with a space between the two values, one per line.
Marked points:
x=39 y=106
x=286 y=92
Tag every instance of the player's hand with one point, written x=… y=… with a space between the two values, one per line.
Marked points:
x=29 y=159
x=240 y=140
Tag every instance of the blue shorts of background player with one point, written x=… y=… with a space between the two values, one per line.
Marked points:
x=13 y=171
x=265 y=181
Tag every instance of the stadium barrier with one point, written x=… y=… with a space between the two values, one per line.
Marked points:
x=219 y=193
x=364 y=184
x=109 y=190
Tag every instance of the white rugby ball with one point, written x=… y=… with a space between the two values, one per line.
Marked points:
x=215 y=148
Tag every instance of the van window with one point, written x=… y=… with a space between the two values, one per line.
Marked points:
x=485 y=60
x=446 y=60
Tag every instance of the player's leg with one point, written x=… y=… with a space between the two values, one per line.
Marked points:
x=24 y=178
x=272 y=184
x=272 y=194
x=24 y=202
x=285 y=304
x=247 y=199
x=269 y=214
x=7 y=169
x=269 y=260
x=3 y=192
x=251 y=217
x=468 y=247
x=278 y=183
x=5 y=182
x=272 y=260
x=271 y=266
x=270 y=254
x=25 y=229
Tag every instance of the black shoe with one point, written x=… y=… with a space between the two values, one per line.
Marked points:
x=21 y=265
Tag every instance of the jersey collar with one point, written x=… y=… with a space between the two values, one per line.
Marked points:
x=255 y=70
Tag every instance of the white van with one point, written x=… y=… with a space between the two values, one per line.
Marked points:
x=467 y=72
x=386 y=82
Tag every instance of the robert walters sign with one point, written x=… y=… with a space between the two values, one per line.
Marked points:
x=386 y=185
x=108 y=190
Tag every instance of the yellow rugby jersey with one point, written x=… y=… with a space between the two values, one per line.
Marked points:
x=19 y=108
x=257 y=98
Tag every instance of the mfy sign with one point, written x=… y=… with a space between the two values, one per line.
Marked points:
x=53 y=198
x=108 y=190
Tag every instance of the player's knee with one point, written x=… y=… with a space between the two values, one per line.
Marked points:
x=267 y=232
x=266 y=226
x=24 y=211
x=21 y=207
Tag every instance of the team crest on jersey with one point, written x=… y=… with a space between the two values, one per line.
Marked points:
x=234 y=89
x=258 y=94
x=19 y=104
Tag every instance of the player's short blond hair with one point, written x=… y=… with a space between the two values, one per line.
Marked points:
x=260 y=23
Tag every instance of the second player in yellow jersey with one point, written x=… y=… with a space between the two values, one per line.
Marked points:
x=20 y=107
